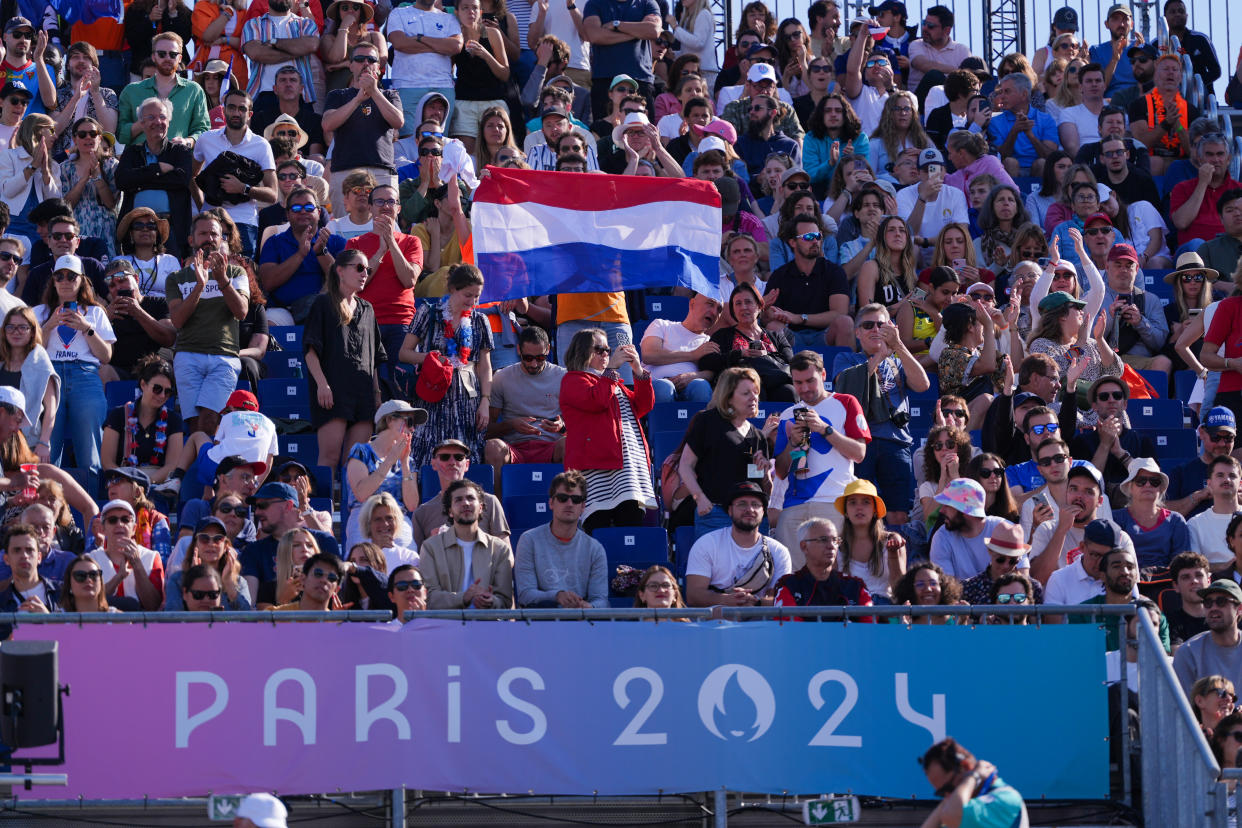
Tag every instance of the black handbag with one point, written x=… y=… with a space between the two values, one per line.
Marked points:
x=244 y=169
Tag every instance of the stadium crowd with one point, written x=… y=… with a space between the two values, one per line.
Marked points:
x=976 y=337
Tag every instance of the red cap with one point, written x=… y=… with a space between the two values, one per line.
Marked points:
x=1123 y=252
x=243 y=399
x=1094 y=217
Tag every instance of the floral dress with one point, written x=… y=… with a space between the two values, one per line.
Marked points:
x=453 y=416
x=94 y=219
x=956 y=363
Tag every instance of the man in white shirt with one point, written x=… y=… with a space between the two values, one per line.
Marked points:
x=737 y=566
x=235 y=136
x=1082 y=579
x=868 y=78
x=936 y=51
x=422 y=41
x=929 y=205
x=128 y=569
x=1208 y=529
x=1058 y=540
x=671 y=350
x=1080 y=124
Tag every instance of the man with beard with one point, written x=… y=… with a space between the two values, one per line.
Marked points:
x=464 y=567
x=1209 y=529
x=188 y=101
x=1112 y=444
x=1216 y=652
x=279 y=39
x=737 y=566
x=1056 y=539
x=960 y=547
x=812 y=295
x=525 y=424
x=1203 y=58
x=1188 y=492
x=1142 y=59
x=1082 y=579
x=206 y=302
x=235 y=136
x=24 y=64
x=294 y=263
x=558 y=564
x=761 y=137
x=276 y=513
x=1127 y=180
x=1119 y=568
x=1112 y=124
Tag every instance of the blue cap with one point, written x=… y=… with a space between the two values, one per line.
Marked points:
x=1220 y=417
x=274 y=491
x=1104 y=532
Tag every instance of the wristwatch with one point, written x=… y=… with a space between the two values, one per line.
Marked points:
x=616 y=25
x=419 y=37
x=246 y=192
x=829 y=430
x=90 y=331
x=804 y=318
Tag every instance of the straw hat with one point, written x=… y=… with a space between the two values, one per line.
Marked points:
x=287 y=121
x=161 y=225
x=366 y=15
x=1190 y=262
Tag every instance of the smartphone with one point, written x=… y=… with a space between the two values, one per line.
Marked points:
x=1194 y=311
x=1128 y=298
x=1042 y=499
x=71 y=306
x=1044 y=261
x=801 y=413
x=125 y=292
x=756 y=344
x=959 y=263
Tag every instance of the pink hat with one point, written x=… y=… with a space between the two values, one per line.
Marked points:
x=1006 y=539
x=965 y=495
x=720 y=128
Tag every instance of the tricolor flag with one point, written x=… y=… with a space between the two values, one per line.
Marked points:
x=536 y=233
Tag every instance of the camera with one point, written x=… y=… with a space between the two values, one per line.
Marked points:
x=801 y=413
x=899 y=418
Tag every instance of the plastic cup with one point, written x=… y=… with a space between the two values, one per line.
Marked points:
x=30 y=492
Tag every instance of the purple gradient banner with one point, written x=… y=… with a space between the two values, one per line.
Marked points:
x=570 y=708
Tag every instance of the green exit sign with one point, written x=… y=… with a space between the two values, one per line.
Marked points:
x=831 y=810
x=222 y=808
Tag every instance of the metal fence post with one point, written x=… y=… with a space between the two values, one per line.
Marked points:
x=720 y=804
x=396 y=817
x=1123 y=707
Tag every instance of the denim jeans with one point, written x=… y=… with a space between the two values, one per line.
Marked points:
x=806 y=339
x=249 y=234
x=80 y=418
x=618 y=334
x=392 y=336
x=697 y=390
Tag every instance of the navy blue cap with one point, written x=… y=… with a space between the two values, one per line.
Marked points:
x=274 y=491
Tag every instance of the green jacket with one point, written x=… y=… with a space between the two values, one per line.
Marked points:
x=189 y=105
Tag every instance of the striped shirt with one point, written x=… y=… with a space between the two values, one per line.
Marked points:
x=609 y=488
x=266 y=28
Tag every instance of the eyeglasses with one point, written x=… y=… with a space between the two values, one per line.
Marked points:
x=160 y=390
x=115 y=519
x=6 y=256
x=303 y=208
x=371 y=59
x=384 y=202
x=659 y=586
x=1042 y=428
x=166 y=53
x=403 y=586
x=1109 y=395
x=562 y=497
x=450 y=456
x=17 y=328
x=423 y=152
x=231 y=508
x=66 y=276
x=811 y=237
x=954 y=412
x=201 y=594
x=1056 y=458
x=826 y=540
x=986 y=474
x=1083 y=198
x=1011 y=597
x=1117 y=153
x=331 y=576
x=1192 y=277
x=903 y=109
x=1098 y=231
x=293 y=176
x=84 y=575
x=534 y=357
x=1222 y=601
x=870 y=325
x=358 y=267
x=88 y=133
x=602 y=350
x=64 y=235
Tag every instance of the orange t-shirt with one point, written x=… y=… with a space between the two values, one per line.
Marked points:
x=591 y=307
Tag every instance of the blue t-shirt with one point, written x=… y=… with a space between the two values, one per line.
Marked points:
x=630 y=57
x=1155 y=546
x=27 y=78
x=1123 y=74
x=1185 y=480
x=1045 y=129
x=1026 y=475
x=307 y=280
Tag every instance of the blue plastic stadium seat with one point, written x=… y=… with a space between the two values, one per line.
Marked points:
x=663 y=443
x=525 y=512
x=666 y=307
x=284 y=364
x=1152 y=415
x=321 y=477
x=120 y=392
x=289 y=336
x=1183 y=384
x=633 y=545
x=683 y=539
x=285 y=398
x=771 y=407
x=1159 y=380
x=672 y=416
x=1026 y=183
x=429 y=481
x=528 y=478
x=301 y=447
x=1176 y=444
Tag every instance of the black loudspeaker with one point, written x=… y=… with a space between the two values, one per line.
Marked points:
x=28 y=693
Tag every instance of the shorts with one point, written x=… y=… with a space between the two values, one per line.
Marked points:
x=204 y=381
x=1138 y=363
x=466 y=116
x=532 y=451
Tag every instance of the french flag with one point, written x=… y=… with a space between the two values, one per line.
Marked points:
x=537 y=232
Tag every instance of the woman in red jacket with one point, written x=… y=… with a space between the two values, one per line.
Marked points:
x=602 y=437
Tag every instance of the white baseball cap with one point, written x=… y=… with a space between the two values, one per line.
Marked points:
x=264 y=810
x=11 y=396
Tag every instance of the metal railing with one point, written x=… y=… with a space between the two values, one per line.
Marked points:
x=1182 y=785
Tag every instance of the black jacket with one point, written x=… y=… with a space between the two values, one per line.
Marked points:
x=134 y=174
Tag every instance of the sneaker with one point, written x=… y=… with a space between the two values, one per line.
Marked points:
x=168 y=487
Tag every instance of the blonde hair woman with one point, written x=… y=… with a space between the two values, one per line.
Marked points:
x=696 y=31
x=28 y=175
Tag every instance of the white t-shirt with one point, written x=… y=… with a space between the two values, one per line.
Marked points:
x=827 y=470
x=346 y=229
x=66 y=344
x=1071 y=550
x=213 y=142
x=1084 y=119
x=426 y=68
x=1207 y=537
x=675 y=337
x=128 y=586
x=399 y=555
x=1143 y=219
x=1028 y=510
x=949 y=206
x=670 y=126
x=153 y=272
x=8 y=301
x=868 y=106
x=558 y=22
x=247 y=434
x=718 y=556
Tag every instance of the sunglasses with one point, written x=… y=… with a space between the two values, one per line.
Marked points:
x=1110 y=395
x=987 y=474
x=820 y=68
x=534 y=357
x=363 y=191
x=1056 y=458
x=445 y=457
x=403 y=586
x=1219 y=602
x=358 y=267
x=1225 y=694
x=160 y=390
x=943 y=444
x=811 y=237
x=287 y=133
x=64 y=236
x=288 y=176
x=165 y=53
x=25 y=34
x=231 y=509
x=1048 y=428
x=88 y=133
x=1014 y=598
x=1096 y=231
x=18 y=100
x=371 y=59
x=84 y=575
x=331 y=577
x=876 y=62
x=1192 y=277
x=200 y=594
x=982 y=296
x=203 y=537
x=870 y=325
x=423 y=152
x=66 y=276
x=115 y=519
x=143 y=225
x=6 y=256
x=798 y=186
x=562 y=497
x=431 y=135
x=602 y=350
x=954 y=412
x=1154 y=482
x=303 y=208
